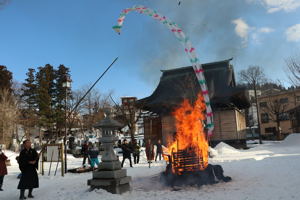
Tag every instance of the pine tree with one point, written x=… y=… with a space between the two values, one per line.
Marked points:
x=62 y=75
x=44 y=97
x=5 y=79
x=45 y=78
x=29 y=111
x=29 y=90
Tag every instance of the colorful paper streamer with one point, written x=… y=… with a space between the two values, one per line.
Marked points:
x=188 y=48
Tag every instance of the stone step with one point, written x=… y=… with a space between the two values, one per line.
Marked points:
x=108 y=182
x=104 y=174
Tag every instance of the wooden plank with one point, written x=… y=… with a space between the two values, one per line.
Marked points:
x=225 y=125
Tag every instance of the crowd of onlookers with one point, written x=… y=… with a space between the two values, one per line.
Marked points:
x=134 y=149
x=129 y=149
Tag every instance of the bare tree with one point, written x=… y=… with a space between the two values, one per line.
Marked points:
x=128 y=114
x=293 y=70
x=74 y=120
x=92 y=107
x=9 y=115
x=254 y=76
x=276 y=111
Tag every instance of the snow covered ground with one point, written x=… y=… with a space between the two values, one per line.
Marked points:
x=267 y=171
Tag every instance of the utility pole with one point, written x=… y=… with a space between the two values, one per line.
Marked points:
x=66 y=85
x=257 y=112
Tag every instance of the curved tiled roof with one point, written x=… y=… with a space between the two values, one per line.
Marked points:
x=181 y=83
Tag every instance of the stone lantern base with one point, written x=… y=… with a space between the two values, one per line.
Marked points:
x=114 y=181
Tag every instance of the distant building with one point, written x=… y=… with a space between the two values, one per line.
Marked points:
x=128 y=114
x=274 y=110
x=128 y=107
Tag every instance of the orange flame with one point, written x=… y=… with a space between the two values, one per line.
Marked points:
x=190 y=135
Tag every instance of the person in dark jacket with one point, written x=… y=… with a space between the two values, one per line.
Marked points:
x=93 y=155
x=136 y=152
x=28 y=164
x=158 y=150
x=149 y=151
x=3 y=169
x=126 y=149
x=119 y=143
x=85 y=152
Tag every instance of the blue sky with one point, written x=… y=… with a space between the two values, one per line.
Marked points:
x=78 y=34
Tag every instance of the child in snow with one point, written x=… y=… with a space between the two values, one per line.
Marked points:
x=93 y=155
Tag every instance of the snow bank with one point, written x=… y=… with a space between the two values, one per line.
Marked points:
x=253 y=172
x=292 y=140
x=212 y=152
x=224 y=148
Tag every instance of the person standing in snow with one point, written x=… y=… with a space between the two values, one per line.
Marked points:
x=126 y=149
x=28 y=164
x=84 y=152
x=3 y=169
x=149 y=151
x=136 y=152
x=119 y=143
x=93 y=153
x=158 y=150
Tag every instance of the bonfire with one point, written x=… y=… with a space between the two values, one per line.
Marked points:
x=187 y=151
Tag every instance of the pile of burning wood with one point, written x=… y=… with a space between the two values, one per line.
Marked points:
x=187 y=153
x=184 y=169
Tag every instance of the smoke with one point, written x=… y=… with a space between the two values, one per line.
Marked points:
x=208 y=23
x=3 y=3
x=241 y=29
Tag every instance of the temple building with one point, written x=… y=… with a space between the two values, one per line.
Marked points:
x=227 y=100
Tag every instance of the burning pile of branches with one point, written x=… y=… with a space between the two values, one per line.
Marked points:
x=187 y=153
x=189 y=150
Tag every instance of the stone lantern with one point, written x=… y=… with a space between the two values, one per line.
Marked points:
x=110 y=175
